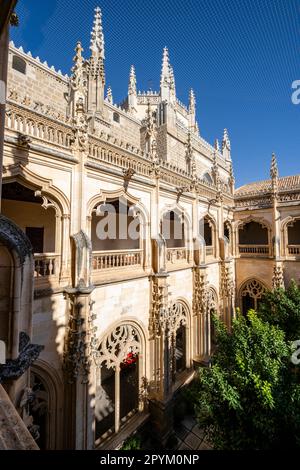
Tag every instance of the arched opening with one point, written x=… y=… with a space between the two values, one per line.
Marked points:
x=19 y=64
x=180 y=349
x=207 y=231
x=174 y=230
x=212 y=310
x=180 y=340
x=253 y=239
x=293 y=235
x=207 y=178
x=119 y=374
x=251 y=294
x=116 y=117
x=26 y=208
x=6 y=296
x=39 y=410
x=116 y=236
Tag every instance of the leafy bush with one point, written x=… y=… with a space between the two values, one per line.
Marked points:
x=132 y=443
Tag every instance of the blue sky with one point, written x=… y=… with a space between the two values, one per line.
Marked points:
x=240 y=56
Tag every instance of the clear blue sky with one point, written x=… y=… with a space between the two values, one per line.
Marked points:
x=240 y=56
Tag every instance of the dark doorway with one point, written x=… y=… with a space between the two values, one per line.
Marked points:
x=180 y=349
x=36 y=237
x=129 y=387
x=105 y=402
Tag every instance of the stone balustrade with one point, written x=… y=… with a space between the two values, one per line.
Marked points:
x=294 y=249
x=116 y=259
x=46 y=265
x=256 y=250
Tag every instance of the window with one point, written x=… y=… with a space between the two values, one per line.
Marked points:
x=19 y=64
x=116 y=117
x=36 y=237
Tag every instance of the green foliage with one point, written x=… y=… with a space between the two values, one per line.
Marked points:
x=249 y=398
x=282 y=307
x=132 y=443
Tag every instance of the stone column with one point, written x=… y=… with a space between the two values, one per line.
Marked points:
x=4 y=41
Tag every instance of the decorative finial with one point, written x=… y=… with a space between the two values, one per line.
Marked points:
x=109 y=96
x=132 y=82
x=165 y=71
x=274 y=168
x=192 y=101
x=97 y=37
x=217 y=145
x=77 y=80
x=226 y=141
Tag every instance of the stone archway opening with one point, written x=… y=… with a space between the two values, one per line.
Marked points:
x=251 y=295
x=27 y=209
x=118 y=381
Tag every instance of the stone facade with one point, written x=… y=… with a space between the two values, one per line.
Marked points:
x=123 y=323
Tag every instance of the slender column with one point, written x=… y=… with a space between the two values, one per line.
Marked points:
x=117 y=398
x=4 y=39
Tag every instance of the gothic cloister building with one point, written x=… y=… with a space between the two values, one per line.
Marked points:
x=124 y=321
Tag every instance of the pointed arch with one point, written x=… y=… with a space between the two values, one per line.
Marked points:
x=20 y=173
x=250 y=293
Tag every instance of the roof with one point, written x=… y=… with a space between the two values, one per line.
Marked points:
x=284 y=184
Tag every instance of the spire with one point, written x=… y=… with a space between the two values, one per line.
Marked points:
x=132 y=82
x=217 y=145
x=231 y=179
x=166 y=78
x=274 y=174
x=192 y=111
x=109 y=96
x=132 y=92
x=274 y=168
x=78 y=85
x=226 y=148
x=97 y=37
x=95 y=67
x=77 y=81
x=165 y=71
x=172 y=85
x=192 y=101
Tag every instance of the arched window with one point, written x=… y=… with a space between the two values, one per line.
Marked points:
x=116 y=117
x=251 y=294
x=179 y=338
x=118 y=379
x=116 y=235
x=39 y=410
x=6 y=286
x=206 y=177
x=207 y=231
x=27 y=209
x=212 y=310
x=19 y=64
x=293 y=235
x=173 y=229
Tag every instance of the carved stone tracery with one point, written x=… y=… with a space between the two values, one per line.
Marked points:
x=116 y=346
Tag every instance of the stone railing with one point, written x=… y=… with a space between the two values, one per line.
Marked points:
x=177 y=255
x=46 y=265
x=256 y=250
x=294 y=249
x=209 y=250
x=116 y=259
x=32 y=124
